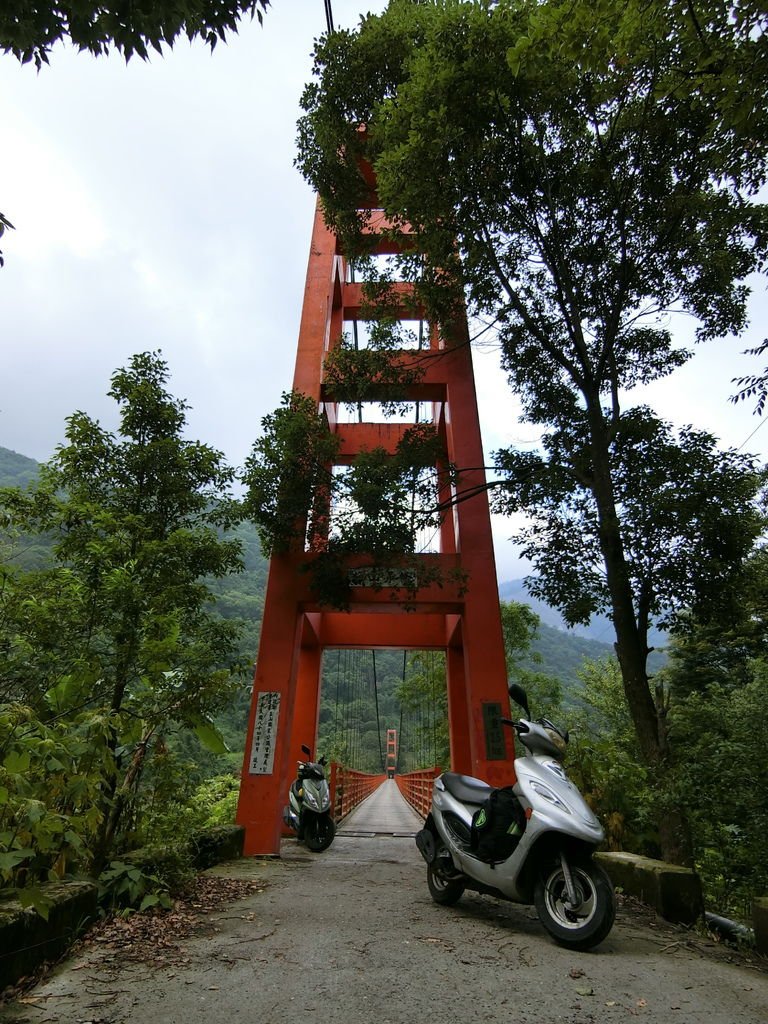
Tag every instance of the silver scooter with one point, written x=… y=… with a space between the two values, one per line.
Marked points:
x=545 y=858
x=309 y=805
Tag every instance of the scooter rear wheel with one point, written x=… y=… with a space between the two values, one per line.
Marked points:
x=443 y=890
x=319 y=830
x=588 y=922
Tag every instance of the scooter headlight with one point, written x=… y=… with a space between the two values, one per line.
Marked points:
x=548 y=794
x=311 y=799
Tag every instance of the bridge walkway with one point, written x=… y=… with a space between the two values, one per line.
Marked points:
x=384 y=812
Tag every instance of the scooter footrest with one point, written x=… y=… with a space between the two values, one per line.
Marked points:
x=425 y=841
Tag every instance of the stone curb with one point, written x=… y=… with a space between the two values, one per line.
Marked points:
x=674 y=892
x=760 y=923
x=28 y=940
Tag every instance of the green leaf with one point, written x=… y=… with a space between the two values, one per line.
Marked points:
x=17 y=762
x=32 y=896
x=211 y=738
x=11 y=858
x=63 y=694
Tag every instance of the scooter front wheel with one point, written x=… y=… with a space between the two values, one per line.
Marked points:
x=442 y=888
x=585 y=923
x=319 y=830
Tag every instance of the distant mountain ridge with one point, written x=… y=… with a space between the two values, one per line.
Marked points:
x=16 y=470
x=600 y=627
x=562 y=650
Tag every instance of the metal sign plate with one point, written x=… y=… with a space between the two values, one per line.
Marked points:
x=264 y=734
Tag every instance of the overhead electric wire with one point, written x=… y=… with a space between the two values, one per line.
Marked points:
x=329 y=16
x=762 y=423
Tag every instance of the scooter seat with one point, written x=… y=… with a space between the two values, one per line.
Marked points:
x=466 y=788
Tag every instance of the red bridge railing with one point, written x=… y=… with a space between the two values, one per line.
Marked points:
x=416 y=787
x=349 y=788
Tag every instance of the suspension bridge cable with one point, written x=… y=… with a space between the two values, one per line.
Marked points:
x=336 y=709
x=400 y=728
x=376 y=701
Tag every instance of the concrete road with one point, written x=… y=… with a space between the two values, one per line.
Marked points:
x=351 y=935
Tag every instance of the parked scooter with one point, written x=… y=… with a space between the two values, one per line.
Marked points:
x=309 y=805
x=531 y=843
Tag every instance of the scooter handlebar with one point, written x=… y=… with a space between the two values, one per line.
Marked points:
x=519 y=726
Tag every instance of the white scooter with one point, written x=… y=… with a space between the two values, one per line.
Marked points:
x=309 y=805
x=543 y=844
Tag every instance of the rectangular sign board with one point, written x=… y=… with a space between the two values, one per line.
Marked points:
x=264 y=734
x=495 y=747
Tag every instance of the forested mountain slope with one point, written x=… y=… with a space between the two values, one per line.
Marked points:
x=242 y=597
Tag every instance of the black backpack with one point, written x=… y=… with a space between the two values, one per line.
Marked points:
x=497 y=826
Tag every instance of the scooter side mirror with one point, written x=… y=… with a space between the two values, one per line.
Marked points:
x=520 y=697
x=305 y=750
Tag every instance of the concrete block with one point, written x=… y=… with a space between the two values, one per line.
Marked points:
x=217 y=844
x=674 y=892
x=760 y=923
x=27 y=940
x=205 y=848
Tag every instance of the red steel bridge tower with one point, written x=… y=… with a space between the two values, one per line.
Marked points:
x=462 y=621
x=390 y=765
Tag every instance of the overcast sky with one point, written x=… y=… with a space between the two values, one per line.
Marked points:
x=156 y=206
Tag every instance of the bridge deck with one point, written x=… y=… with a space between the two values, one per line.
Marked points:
x=384 y=812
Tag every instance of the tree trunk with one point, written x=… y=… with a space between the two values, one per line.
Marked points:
x=631 y=649
x=112 y=801
x=117 y=806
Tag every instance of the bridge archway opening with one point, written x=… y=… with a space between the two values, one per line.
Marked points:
x=366 y=694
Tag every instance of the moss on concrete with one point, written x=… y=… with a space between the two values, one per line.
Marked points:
x=674 y=892
x=27 y=940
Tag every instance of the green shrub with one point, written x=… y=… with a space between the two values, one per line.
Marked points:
x=125 y=888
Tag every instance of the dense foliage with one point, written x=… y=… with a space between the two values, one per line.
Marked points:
x=373 y=511
x=29 y=29
x=111 y=647
x=577 y=173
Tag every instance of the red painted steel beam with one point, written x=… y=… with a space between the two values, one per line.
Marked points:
x=357 y=307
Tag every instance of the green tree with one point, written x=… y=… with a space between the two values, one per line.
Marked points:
x=755 y=385
x=29 y=29
x=121 y=623
x=687 y=513
x=562 y=175
x=423 y=699
x=716 y=679
x=719 y=728
x=603 y=761
x=4 y=224
x=375 y=508
x=520 y=626
x=723 y=651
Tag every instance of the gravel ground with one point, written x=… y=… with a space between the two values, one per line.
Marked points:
x=352 y=935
